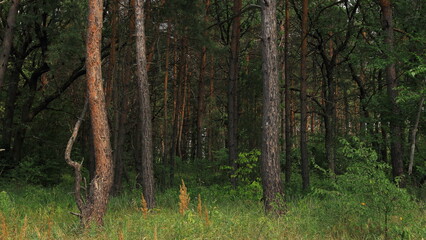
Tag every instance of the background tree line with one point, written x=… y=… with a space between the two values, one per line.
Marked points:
x=349 y=71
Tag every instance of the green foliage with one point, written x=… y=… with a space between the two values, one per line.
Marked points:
x=6 y=203
x=248 y=168
x=365 y=199
x=28 y=171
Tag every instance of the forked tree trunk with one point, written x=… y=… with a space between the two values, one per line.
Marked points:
x=8 y=39
x=144 y=108
x=270 y=163
x=96 y=205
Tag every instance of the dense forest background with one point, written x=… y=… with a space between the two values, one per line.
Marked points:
x=351 y=96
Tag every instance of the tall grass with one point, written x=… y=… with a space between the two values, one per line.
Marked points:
x=39 y=213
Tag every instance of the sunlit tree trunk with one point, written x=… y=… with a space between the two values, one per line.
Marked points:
x=101 y=183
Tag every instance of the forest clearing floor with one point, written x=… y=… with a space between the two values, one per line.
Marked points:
x=31 y=212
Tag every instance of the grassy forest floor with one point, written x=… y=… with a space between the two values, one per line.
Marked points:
x=31 y=212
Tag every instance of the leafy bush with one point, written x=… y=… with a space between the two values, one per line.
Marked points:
x=364 y=199
x=248 y=168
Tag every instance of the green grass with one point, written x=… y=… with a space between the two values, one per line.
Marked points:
x=29 y=212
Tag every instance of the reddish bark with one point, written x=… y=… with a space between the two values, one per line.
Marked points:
x=100 y=186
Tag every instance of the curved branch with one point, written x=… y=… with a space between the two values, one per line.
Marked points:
x=76 y=165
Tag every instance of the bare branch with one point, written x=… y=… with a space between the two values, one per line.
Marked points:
x=76 y=165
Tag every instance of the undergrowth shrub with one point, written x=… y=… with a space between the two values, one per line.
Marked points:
x=364 y=199
x=6 y=203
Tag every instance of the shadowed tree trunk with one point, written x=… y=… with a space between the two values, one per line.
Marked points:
x=8 y=39
x=9 y=114
x=165 y=146
x=287 y=99
x=303 y=98
x=413 y=135
x=113 y=53
x=232 y=88
x=144 y=108
x=270 y=165
x=392 y=84
x=201 y=93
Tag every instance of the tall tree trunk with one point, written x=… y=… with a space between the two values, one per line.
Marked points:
x=26 y=114
x=303 y=102
x=200 y=106
x=392 y=84
x=201 y=93
x=232 y=88
x=9 y=115
x=165 y=101
x=364 y=127
x=113 y=53
x=287 y=99
x=211 y=108
x=177 y=83
x=100 y=185
x=144 y=108
x=8 y=39
x=270 y=165
x=113 y=95
x=330 y=119
x=183 y=108
x=121 y=102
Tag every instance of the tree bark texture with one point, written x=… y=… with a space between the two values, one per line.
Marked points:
x=270 y=165
x=303 y=98
x=145 y=115
x=233 y=86
x=392 y=84
x=100 y=185
x=8 y=39
x=287 y=99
